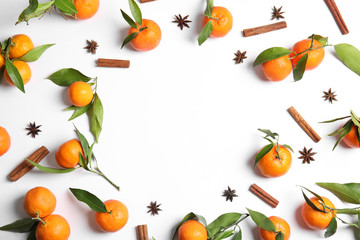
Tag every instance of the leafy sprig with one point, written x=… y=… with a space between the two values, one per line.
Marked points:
x=208 y=28
x=89 y=199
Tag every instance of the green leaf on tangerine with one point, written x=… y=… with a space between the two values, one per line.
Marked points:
x=35 y=53
x=20 y=226
x=315 y=194
x=270 y=54
x=288 y=147
x=78 y=111
x=51 y=170
x=66 y=76
x=32 y=234
x=311 y=204
x=189 y=216
x=224 y=234
x=129 y=38
x=355 y=119
x=349 y=55
x=66 y=6
x=128 y=19
x=2 y=70
x=209 y=7
x=321 y=39
x=90 y=199
x=262 y=221
x=299 y=69
x=224 y=221
x=342 y=191
x=331 y=229
x=33 y=4
x=135 y=11
x=280 y=236
x=263 y=152
x=346 y=129
x=205 y=33
x=14 y=75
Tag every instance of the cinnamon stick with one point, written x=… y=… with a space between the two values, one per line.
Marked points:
x=337 y=16
x=263 y=195
x=142 y=232
x=25 y=166
x=145 y=1
x=264 y=29
x=304 y=125
x=104 y=62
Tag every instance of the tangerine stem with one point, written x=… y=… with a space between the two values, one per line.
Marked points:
x=39 y=219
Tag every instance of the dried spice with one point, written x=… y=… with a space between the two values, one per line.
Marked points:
x=91 y=46
x=329 y=96
x=182 y=21
x=229 y=194
x=154 y=208
x=240 y=56
x=307 y=155
x=33 y=129
x=277 y=13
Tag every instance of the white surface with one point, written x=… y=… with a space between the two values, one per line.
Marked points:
x=180 y=125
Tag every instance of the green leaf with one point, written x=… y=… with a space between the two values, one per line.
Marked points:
x=349 y=55
x=263 y=152
x=331 y=229
x=224 y=221
x=35 y=53
x=270 y=54
x=355 y=119
x=83 y=163
x=311 y=204
x=350 y=224
x=84 y=143
x=66 y=6
x=20 y=226
x=280 y=236
x=346 y=129
x=41 y=9
x=14 y=75
x=288 y=147
x=358 y=223
x=51 y=170
x=128 y=19
x=6 y=46
x=321 y=39
x=205 y=33
x=78 y=111
x=32 y=234
x=2 y=70
x=209 y=8
x=90 y=199
x=313 y=193
x=66 y=76
x=129 y=38
x=262 y=221
x=238 y=235
x=190 y=216
x=96 y=113
x=269 y=133
x=224 y=234
x=33 y=4
x=342 y=191
x=299 y=69
x=135 y=11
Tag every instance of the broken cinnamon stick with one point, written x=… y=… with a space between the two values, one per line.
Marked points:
x=264 y=29
x=142 y=232
x=24 y=167
x=304 y=125
x=337 y=16
x=263 y=195
x=104 y=62
x=145 y=1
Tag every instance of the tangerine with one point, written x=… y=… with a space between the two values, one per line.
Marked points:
x=116 y=217
x=67 y=154
x=351 y=139
x=80 y=94
x=221 y=20
x=314 y=219
x=275 y=164
x=21 y=44
x=53 y=227
x=277 y=69
x=280 y=225
x=39 y=202
x=24 y=70
x=86 y=8
x=148 y=38
x=5 y=141
x=315 y=55
x=2 y=60
x=192 y=230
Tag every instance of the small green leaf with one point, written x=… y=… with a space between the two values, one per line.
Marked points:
x=313 y=193
x=205 y=33
x=20 y=226
x=321 y=39
x=224 y=221
x=135 y=11
x=14 y=75
x=128 y=19
x=66 y=6
x=32 y=234
x=33 y=4
x=311 y=204
x=238 y=235
x=83 y=162
x=6 y=46
x=358 y=223
x=355 y=119
x=129 y=38
x=280 y=236
x=269 y=133
x=96 y=113
x=342 y=191
x=41 y=9
x=224 y=235
x=2 y=70
x=349 y=55
x=346 y=129
x=331 y=229
x=209 y=8
x=84 y=143
x=66 y=76
x=78 y=111
x=51 y=170
x=270 y=54
x=189 y=216
x=263 y=152
x=262 y=221
x=299 y=69
x=35 y=53
x=90 y=199
x=288 y=147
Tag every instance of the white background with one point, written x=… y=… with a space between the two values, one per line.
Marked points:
x=180 y=125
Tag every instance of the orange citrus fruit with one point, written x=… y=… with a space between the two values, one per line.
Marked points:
x=277 y=69
x=21 y=44
x=5 y=141
x=2 y=61
x=55 y=227
x=351 y=139
x=24 y=70
x=116 y=217
x=67 y=154
x=148 y=38
x=315 y=56
x=80 y=94
x=192 y=230
x=221 y=20
x=86 y=8
x=314 y=219
x=280 y=225
x=272 y=165
x=39 y=202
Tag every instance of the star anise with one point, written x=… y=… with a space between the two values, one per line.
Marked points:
x=306 y=155
x=277 y=13
x=229 y=194
x=240 y=56
x=182 y=21
x=91 y=46
x=154 y=208
x=329 y=96
x=33 y=129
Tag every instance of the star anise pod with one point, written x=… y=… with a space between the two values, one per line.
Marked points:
x=277 y=13
x=240 y=56
x=306 y=155
x=182 y=21
x=33 y=129
x=154 y=208
x=329 y=96
x=91 y=46
x=229 y=194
